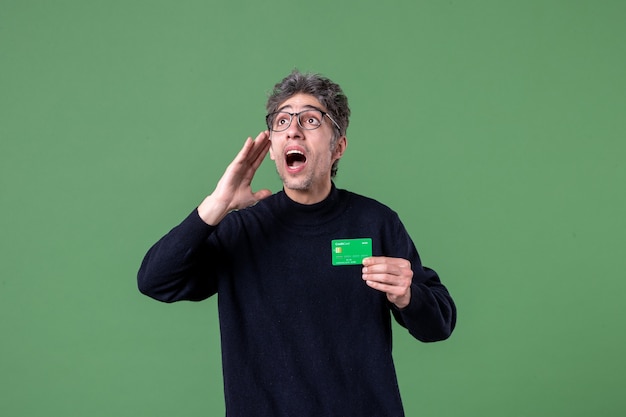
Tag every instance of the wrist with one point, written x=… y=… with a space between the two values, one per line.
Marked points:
x=211 y=211
x=403 y=302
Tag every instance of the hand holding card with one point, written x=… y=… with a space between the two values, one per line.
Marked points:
x=393 y=276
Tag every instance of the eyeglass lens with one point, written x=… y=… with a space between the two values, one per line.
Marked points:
x=307 y=119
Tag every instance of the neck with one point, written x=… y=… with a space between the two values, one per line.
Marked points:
x=310 y=195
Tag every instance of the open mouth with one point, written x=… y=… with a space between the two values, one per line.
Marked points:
x=295 y=158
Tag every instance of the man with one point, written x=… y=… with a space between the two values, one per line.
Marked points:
x=307 y=278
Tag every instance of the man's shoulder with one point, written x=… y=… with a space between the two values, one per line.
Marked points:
x=368 y=205
x=365 y=201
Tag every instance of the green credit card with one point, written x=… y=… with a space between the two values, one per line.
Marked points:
x=350 y=251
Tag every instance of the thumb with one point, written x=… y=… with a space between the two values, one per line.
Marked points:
x=261 y=194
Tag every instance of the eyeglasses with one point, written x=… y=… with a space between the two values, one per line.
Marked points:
x=309 y=119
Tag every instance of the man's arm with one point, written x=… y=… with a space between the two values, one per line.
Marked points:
x=431 y=314
x=177 y=267
x=421 y=303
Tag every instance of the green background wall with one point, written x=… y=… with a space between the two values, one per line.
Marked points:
x=496 y=129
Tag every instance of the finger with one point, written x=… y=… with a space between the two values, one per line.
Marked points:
x=392 y=290
x=254 y=151
x=378 y=260
x=262 y=194
x=388 y=269
x=264 y=135
x=251 y=147
x=260 y=150
x=402 y=280
x=393 y=271
x=244 y=152
x=251 y=154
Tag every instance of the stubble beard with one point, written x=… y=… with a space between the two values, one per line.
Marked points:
x=306 y=180
x=296 y=184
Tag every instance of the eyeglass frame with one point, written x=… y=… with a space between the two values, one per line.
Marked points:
x=267 y=119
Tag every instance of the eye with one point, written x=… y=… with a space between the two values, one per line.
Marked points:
x=281 y=119
x=311 y=119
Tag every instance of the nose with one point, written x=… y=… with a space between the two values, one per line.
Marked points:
x=294 y=130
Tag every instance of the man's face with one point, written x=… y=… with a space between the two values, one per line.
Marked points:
x=304 y=157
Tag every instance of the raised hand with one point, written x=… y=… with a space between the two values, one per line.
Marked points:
x=234 y=191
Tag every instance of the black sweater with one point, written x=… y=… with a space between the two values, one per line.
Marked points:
x=300 y=337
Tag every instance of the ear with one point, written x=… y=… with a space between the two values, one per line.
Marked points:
x=340 y=147
x=272 y=152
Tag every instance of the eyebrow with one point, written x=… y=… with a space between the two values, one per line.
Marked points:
x=305 y=107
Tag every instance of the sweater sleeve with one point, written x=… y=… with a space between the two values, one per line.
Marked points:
x=431 y=313
x=177 y=266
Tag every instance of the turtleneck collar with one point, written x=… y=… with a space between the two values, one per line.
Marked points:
x=293 y=213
